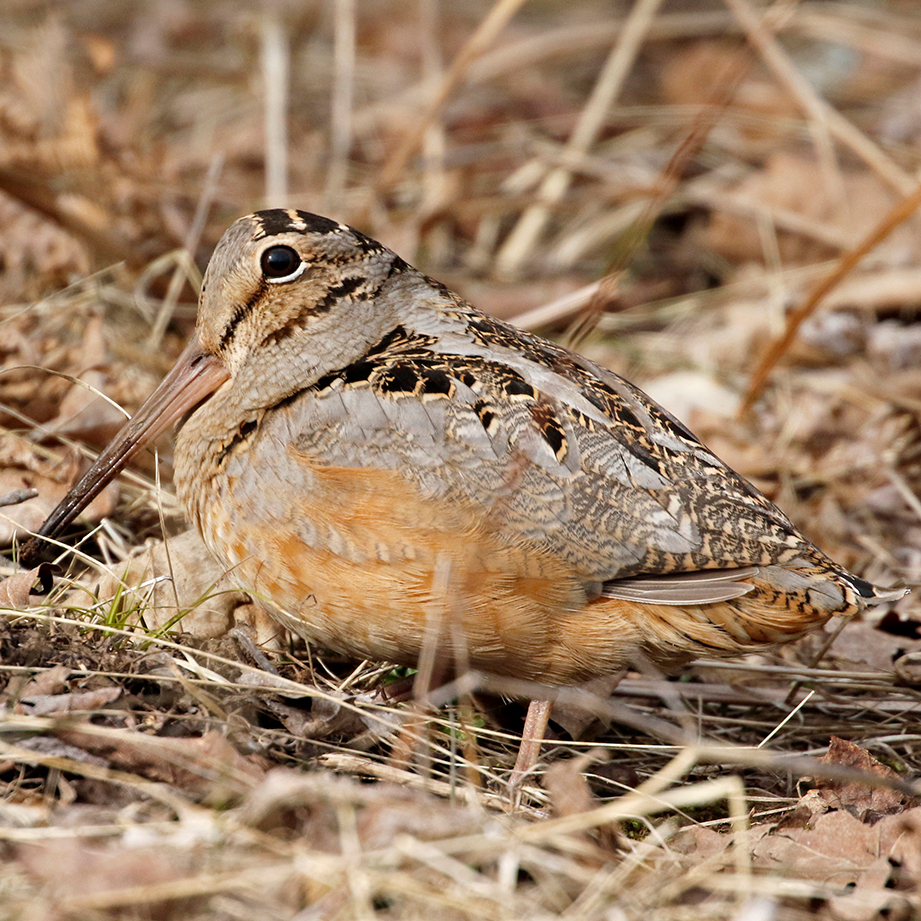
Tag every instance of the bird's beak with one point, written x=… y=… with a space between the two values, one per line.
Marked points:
x=196 y=375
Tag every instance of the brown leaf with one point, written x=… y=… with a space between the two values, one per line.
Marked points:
x=699 y=842
x=48 y=681
x=392 y=811
x=870 y=898
x=19 y=590
x=836 y=849
x=47 y=704
x=161 y=580
x=866 y=644
x=905 y=857
x=82 y=413
x=569 y=792
x=208 y=766
x=794 y=187
x=860 y=799
x=570 y=795
x=327 y=717
x=577 y=720
x=22 y=467
x=73 y=868
x=868 y=863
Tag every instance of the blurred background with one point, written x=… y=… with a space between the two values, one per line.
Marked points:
x=670 y=185
x=707 y=162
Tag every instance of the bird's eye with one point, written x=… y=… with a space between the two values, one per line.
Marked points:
x=280 y=264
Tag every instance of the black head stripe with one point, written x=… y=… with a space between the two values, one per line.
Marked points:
x=281 y=220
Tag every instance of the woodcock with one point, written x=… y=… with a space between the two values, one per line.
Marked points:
x=378 y=462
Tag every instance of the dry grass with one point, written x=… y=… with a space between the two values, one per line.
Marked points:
x=681 y=181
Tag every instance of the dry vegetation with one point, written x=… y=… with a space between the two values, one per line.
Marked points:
x=715 y=168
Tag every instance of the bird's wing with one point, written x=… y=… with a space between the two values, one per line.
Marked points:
x=550 y=449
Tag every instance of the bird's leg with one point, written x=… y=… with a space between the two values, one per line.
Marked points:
x=413 y=742
x=532 y=737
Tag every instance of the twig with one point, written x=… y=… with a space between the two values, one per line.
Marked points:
x=343 y=95
x=190 y=244
x=482 y=38
x=561 y=309
x=724 y=91
x=433 y=142
x=17 y=496
x=761 y=37
x=846 y=264
x=530 y=225
x=785 y=720
x=276 y=65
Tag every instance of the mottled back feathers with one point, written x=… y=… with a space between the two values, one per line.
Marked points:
x=360 y=361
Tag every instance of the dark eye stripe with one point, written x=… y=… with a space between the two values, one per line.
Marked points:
x=242 y=311
x=346 y=287
x=326 y=303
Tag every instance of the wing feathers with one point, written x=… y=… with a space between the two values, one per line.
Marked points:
x=705 y=587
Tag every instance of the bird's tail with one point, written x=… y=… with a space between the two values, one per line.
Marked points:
x=870 y=594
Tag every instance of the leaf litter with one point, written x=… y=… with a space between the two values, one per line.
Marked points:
x=167 y=751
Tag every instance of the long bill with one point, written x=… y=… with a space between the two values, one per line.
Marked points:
x=195 y=376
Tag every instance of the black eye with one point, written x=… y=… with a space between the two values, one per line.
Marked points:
x=280 y=263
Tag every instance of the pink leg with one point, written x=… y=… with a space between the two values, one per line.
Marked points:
x=535 y=725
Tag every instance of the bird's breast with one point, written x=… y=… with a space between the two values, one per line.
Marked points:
x=358 y=560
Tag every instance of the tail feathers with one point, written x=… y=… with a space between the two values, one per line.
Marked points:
x=870 y=594
x=714 y=585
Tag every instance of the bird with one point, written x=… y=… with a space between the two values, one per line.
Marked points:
x=388 y=469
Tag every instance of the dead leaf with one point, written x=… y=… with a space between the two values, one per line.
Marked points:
x=870 y=898
x=570 y=795
x=73 y=868
x=687 y=76
x=866 y=862
x=698 y=842
x=50 y=747
x=836 y=848
x=282 y=799
x=22 y=466
x=37 y=254
x=48 y=681
x=569 y=792
x=83 y=414
x=866 y=644
x=48 y=704
x=577 y=720
x=860 y=799
x=905 y=856
x=392 y=811
x=209 y=766
x=18 y=591
x=793 y=190
x=326 y=718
